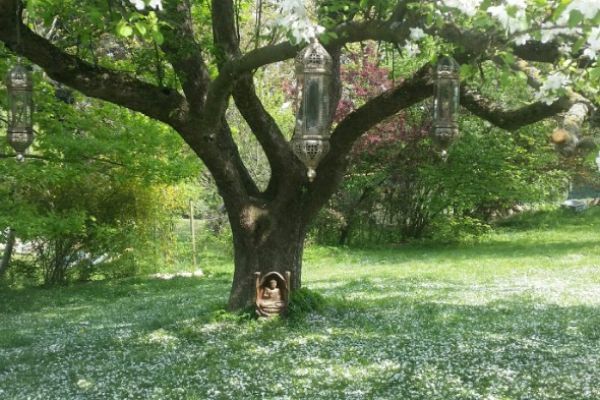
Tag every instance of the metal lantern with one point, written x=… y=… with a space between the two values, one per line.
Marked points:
x=20 y=109
x=446 y=102
x=311 y=138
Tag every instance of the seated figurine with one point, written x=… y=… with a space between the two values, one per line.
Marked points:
x=270 y=299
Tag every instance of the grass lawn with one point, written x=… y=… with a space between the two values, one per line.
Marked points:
x=516 y=316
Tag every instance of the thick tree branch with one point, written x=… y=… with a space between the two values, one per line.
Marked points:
x=538 y=52
x=227 y=48
x=568 y=137
x=346 y=33
x=511 y=119
x=405 y=94
x=397 y=30
x=184 y=53
x=119 y=88
x=224 y=33
x=55 y=159
x=329 y=173
x=11 y=238
x=208 y=133
x=227 y=138
x=258 y=118
x=264 y=127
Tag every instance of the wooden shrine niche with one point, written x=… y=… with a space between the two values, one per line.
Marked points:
x=272 y=293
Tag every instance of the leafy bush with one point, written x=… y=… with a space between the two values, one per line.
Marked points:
x=99 y=187
x=398 y=188
x=304 y=301
x=447 y=228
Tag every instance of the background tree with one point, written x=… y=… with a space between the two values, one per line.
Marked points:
x=397 y=186
x=92 y=188
x=190 y=59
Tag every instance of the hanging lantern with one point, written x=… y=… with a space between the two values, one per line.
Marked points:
x=311 y=138
x=20 y=109
x=446 y=102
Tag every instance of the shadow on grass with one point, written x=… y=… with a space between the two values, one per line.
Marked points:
x=97 y=295
x=420 y=337
x=403 y=346
x=393 y=338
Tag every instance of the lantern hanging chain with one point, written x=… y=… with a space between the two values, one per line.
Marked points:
x=312 y=11
x=19 y=46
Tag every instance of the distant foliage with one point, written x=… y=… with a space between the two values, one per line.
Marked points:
x=96 y=195
x=398 y=187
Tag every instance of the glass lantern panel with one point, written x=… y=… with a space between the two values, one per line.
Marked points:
x=300 y=120
x=446 y=101
x=325 y=111
x=20 y=141
x=20 y=110
x=312 y=103
x=455 y=97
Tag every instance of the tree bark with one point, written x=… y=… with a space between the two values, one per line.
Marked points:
x=265 y=241
x=8 y=250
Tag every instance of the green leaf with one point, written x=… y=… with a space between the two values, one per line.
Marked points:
x=508 y=58
x=123 y=29
x=466 y=71
x=560 y=9
x=595 y=73
x=575 y=18
x=158 y=37
x=578 y=45
x=141 y=28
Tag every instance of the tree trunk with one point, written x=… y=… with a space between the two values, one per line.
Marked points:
x=8 y=249
x=265 y=241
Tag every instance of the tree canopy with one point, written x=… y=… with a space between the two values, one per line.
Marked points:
x=180 y=62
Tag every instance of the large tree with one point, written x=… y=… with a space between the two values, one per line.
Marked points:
x=200 y=65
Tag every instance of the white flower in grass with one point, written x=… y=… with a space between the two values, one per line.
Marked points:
x=84 y=384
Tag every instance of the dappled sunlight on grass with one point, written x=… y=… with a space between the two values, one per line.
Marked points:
x=514 y=317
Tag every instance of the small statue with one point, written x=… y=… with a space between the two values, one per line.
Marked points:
x=272 y=294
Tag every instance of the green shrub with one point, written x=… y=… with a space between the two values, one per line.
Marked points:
x=304 y=301
x=448 y=229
